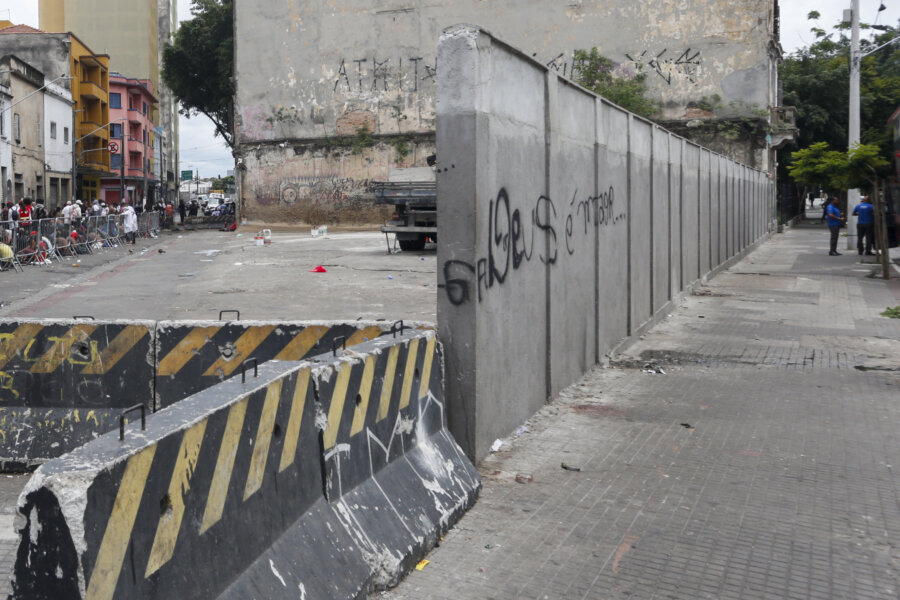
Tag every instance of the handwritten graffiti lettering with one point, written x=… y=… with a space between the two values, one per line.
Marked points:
x=512 y=237
x=379 y=74
x=669 y=65
x=321 y=190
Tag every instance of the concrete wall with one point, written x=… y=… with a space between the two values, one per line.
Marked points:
x=313 y=73
x=565 y=226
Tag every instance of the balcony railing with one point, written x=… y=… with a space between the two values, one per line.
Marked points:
x=783 y=125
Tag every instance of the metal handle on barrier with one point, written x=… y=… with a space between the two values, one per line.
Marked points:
x=244 y=369
x=334 y=344
x=84 y=317
x=237 y=312
x=128 y=410
x=395 y=328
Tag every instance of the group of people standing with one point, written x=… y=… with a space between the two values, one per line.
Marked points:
x=865 y=225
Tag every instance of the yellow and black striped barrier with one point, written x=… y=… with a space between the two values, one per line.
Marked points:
x=63 y=381
x=191 y=356
x=285 y=486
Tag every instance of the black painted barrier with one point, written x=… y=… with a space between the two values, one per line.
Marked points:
x=322 y=479
x=64 y=381
x=194 y=355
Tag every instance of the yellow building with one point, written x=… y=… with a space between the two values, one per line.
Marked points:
x=134 y=33
x=63 y=56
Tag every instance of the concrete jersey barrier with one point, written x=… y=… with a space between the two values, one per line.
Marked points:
x=64 y=382
x=193 y=355
x=320 y=479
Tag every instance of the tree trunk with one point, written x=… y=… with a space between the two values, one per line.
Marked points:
x=881 y=241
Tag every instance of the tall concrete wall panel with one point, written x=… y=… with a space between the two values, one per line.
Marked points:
x=640 y=181
x=723 y=210
x=705 y=222
x=566 y=225
x=659 y=237
x=690 y=215
x=572 y=186
x=676 y=147
x=714 y=205
x=610 y=221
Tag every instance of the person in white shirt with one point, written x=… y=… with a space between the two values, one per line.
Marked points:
x=129 y=221
x=67 y=212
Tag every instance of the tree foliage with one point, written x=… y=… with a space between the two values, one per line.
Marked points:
x=816 y=80
x=818 y=166
x=600 y=75
x=197 y=66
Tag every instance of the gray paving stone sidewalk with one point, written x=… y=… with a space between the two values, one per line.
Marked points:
x=763 y=463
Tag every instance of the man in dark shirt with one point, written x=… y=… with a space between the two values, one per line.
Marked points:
x=865 y=225
x=834 y=225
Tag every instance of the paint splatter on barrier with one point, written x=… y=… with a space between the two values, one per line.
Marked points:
x=329 y=478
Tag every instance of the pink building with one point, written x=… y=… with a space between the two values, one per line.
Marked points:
x=132 y=107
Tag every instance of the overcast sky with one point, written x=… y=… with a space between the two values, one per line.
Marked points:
x=200 y=150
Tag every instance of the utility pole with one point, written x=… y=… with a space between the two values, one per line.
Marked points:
x=853 y=129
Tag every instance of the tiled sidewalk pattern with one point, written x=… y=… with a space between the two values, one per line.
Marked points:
x=762 y=464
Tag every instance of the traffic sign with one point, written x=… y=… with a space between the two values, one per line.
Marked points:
x=113 y=147
x=187 y=175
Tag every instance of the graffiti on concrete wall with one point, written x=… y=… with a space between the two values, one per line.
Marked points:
x=515 y=238
x=381 y=74
x=320 y=190
x=669 y=65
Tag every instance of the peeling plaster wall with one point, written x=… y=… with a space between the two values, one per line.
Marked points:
x=312 y=71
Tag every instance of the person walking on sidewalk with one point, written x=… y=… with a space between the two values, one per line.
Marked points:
x=865 y=225
x=129 y=221
x=834 y=224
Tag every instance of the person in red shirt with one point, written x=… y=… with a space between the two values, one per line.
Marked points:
x=25 y=210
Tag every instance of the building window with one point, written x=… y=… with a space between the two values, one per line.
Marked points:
x=2 y=124
x=145 y=108
x=115 y=161
x=40 y=134
x=116 y=130
x=115 y=100
x=17 y=134
x=52 y=130
x=65 y=135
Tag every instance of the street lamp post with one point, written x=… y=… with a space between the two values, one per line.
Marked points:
x=853 y=126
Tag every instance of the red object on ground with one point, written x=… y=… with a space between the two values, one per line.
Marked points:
x=319 y=269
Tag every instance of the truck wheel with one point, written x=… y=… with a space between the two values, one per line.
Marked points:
x=412 y=245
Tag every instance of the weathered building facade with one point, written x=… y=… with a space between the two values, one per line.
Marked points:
x=332 y=95
x=26 y=132
x=134 y=34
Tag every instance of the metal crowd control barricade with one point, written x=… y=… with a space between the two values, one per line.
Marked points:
x=7 y=236
x=64 y=246
x=93 y=238
x=47 y=230
x=79 y=227
x=112 y=229
x=29 y=248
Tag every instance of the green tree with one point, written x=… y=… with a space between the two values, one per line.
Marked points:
x=819 y=166
x=598 y=74
x=198 y=65
x=816 y=81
